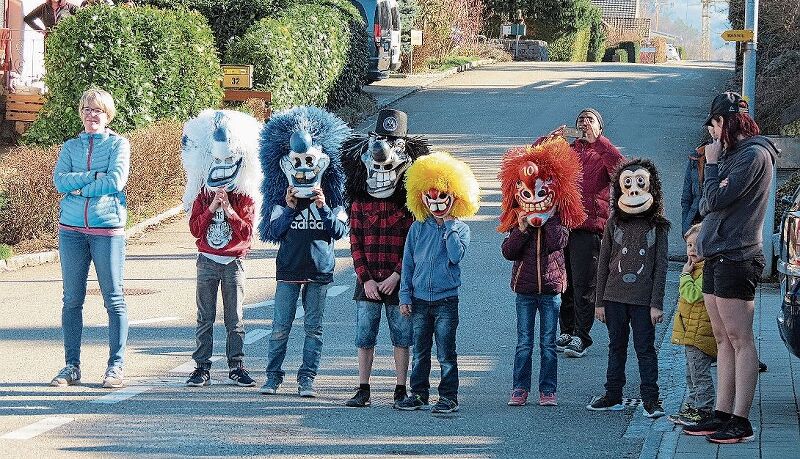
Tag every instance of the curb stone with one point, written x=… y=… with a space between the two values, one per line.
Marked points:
x=51 y=256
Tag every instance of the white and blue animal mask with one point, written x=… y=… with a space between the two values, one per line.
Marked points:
x=305 y=164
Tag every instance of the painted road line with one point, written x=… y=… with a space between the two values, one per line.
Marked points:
x=37 y=428
x=254 y=335
x=337 y=290
x=152 y=320
x=25 y=407
x=578 y=83
x=262 y=304
x=548 y=85
x=122 y=394
x=188 y=367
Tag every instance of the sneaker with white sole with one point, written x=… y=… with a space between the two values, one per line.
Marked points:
x=653 y=410
x=240 y=376
x=519 y=397
x=562 y=341
x=445 y=405
x=548 y=399
x=113 y=378
x=305 y=388
x=70 y=375
x=575 y=348
x=270 y=387
x=200 y=377
x=605 y=403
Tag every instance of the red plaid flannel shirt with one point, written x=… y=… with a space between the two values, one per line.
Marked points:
x=378 y=230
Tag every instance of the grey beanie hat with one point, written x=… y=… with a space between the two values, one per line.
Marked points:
x=593 y=112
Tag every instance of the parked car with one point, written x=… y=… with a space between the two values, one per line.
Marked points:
x=383 y=29
x=672 y=53
x=789 y=275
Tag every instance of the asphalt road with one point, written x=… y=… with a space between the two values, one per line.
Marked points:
x=653 y=111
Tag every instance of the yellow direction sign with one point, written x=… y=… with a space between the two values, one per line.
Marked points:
x=237 y=76
x=738 y=35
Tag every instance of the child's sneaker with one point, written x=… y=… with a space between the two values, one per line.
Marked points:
x=445 y=405
x=653 y=409
x=70 y=375
x=240 y=377
x=547 y=399
x=360 y=400
x=113 y=378
x=305 y=388
x=411 y=403
x=400 y=394
x=737 y=430
x=575 y=348
x=562 y=341
x=200 y=377
x=688 y=416
x=519 y=397
x=716 y=422
x=605 y=403
x=270 y=387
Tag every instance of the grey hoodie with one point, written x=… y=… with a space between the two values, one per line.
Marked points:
x=734 y=214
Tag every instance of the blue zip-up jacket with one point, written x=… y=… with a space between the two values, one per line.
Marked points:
x=101 y=203
x=431 y=260
x=307 y=234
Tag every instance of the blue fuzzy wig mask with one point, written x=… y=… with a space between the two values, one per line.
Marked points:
x=301 y=147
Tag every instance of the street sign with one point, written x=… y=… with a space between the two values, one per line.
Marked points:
x=737 y=35
x=518 y=29
x=237 y=76
x=505 y=30
x=416 y=37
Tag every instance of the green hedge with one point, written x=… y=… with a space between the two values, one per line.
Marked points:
x=572 y=47
x=681 y=52
x=632 y=48
x=567 y=26
x=157 y=64
x=597 y=41
x=620 y=55
x=302 y=54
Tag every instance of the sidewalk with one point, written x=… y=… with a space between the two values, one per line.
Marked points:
x=775 y=416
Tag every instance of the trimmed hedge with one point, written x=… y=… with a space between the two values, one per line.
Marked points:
x=567 y=26
x=573 y=47
x=632 y=48
x=597 y=41
x=303 y=56
x=156 y=63
x=681 y=52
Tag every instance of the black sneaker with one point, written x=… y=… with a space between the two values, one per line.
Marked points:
x=411 y=403
x=445 y=405
x=400 y=394
x=709 y=426
x=737 y=430
x=240 y=377
x=653 y=410
x=575 y=348
x=360 y=400
x=200 y=377
x=562 y=341
x=605 y=403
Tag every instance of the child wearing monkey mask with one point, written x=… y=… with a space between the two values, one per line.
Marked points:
x=631 y=274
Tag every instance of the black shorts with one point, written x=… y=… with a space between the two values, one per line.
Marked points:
x=727 y=278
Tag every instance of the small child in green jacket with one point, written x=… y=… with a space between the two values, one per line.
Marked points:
x=692 y=329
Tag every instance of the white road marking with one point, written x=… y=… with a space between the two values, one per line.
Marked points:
x=254 y=335
x=337 y=290
x=547 y=85
x=40 y=427
x=152 y=320
x=262 y=304
x=25 y=407
x=122 y=394
x=188 y=367
x=578 y=83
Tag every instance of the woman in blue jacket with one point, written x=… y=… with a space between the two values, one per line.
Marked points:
x=91 y=172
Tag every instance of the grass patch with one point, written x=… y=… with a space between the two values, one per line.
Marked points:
x=449 y=62
x=6 y=251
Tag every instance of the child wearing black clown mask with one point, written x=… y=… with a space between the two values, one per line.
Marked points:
x=631 y=274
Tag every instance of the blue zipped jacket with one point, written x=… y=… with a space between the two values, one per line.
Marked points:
x=431 y=260
x=101 y=203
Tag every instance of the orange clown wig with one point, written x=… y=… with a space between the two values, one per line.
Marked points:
x=444 y=173
x=552 y=162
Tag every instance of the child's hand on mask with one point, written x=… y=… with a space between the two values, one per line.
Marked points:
x=600 y=314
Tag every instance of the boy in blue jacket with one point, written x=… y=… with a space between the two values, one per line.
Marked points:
x=441 y=189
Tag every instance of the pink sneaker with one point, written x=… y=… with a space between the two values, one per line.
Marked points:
x=519 y=397
x=548 y=399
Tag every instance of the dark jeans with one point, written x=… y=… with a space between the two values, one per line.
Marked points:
x=210 y=275
x=435 y=319
x=621 y=319
x=527 y=305
x=577 y=302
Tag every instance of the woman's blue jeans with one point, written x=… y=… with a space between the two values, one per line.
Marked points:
x=77 y=251
x=548 y=307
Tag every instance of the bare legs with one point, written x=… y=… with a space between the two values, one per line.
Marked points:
x=366 y=357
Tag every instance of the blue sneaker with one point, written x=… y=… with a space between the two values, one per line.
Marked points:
x=411 y=403
x=270 y=387
x=305 y=388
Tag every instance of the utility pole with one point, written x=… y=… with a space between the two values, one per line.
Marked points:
x=705 y=32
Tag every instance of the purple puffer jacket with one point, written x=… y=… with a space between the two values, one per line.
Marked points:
x=538 y=256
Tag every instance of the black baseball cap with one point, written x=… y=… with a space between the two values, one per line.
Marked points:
x=725 y=104
x=392 y=123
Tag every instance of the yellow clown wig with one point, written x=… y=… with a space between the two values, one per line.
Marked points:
x=441 y=171
x=556 y=161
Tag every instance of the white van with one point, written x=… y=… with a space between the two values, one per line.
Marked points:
x=383 y=29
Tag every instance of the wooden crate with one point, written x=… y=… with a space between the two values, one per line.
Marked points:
x=23 y=107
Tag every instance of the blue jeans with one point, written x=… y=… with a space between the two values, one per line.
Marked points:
x=286 y=294
x=76 y=251
x=621 y=319
x=437 y=319
x=368 y=320
x=548 y=307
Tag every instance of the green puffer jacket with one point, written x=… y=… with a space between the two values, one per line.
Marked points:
x=692 y=325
